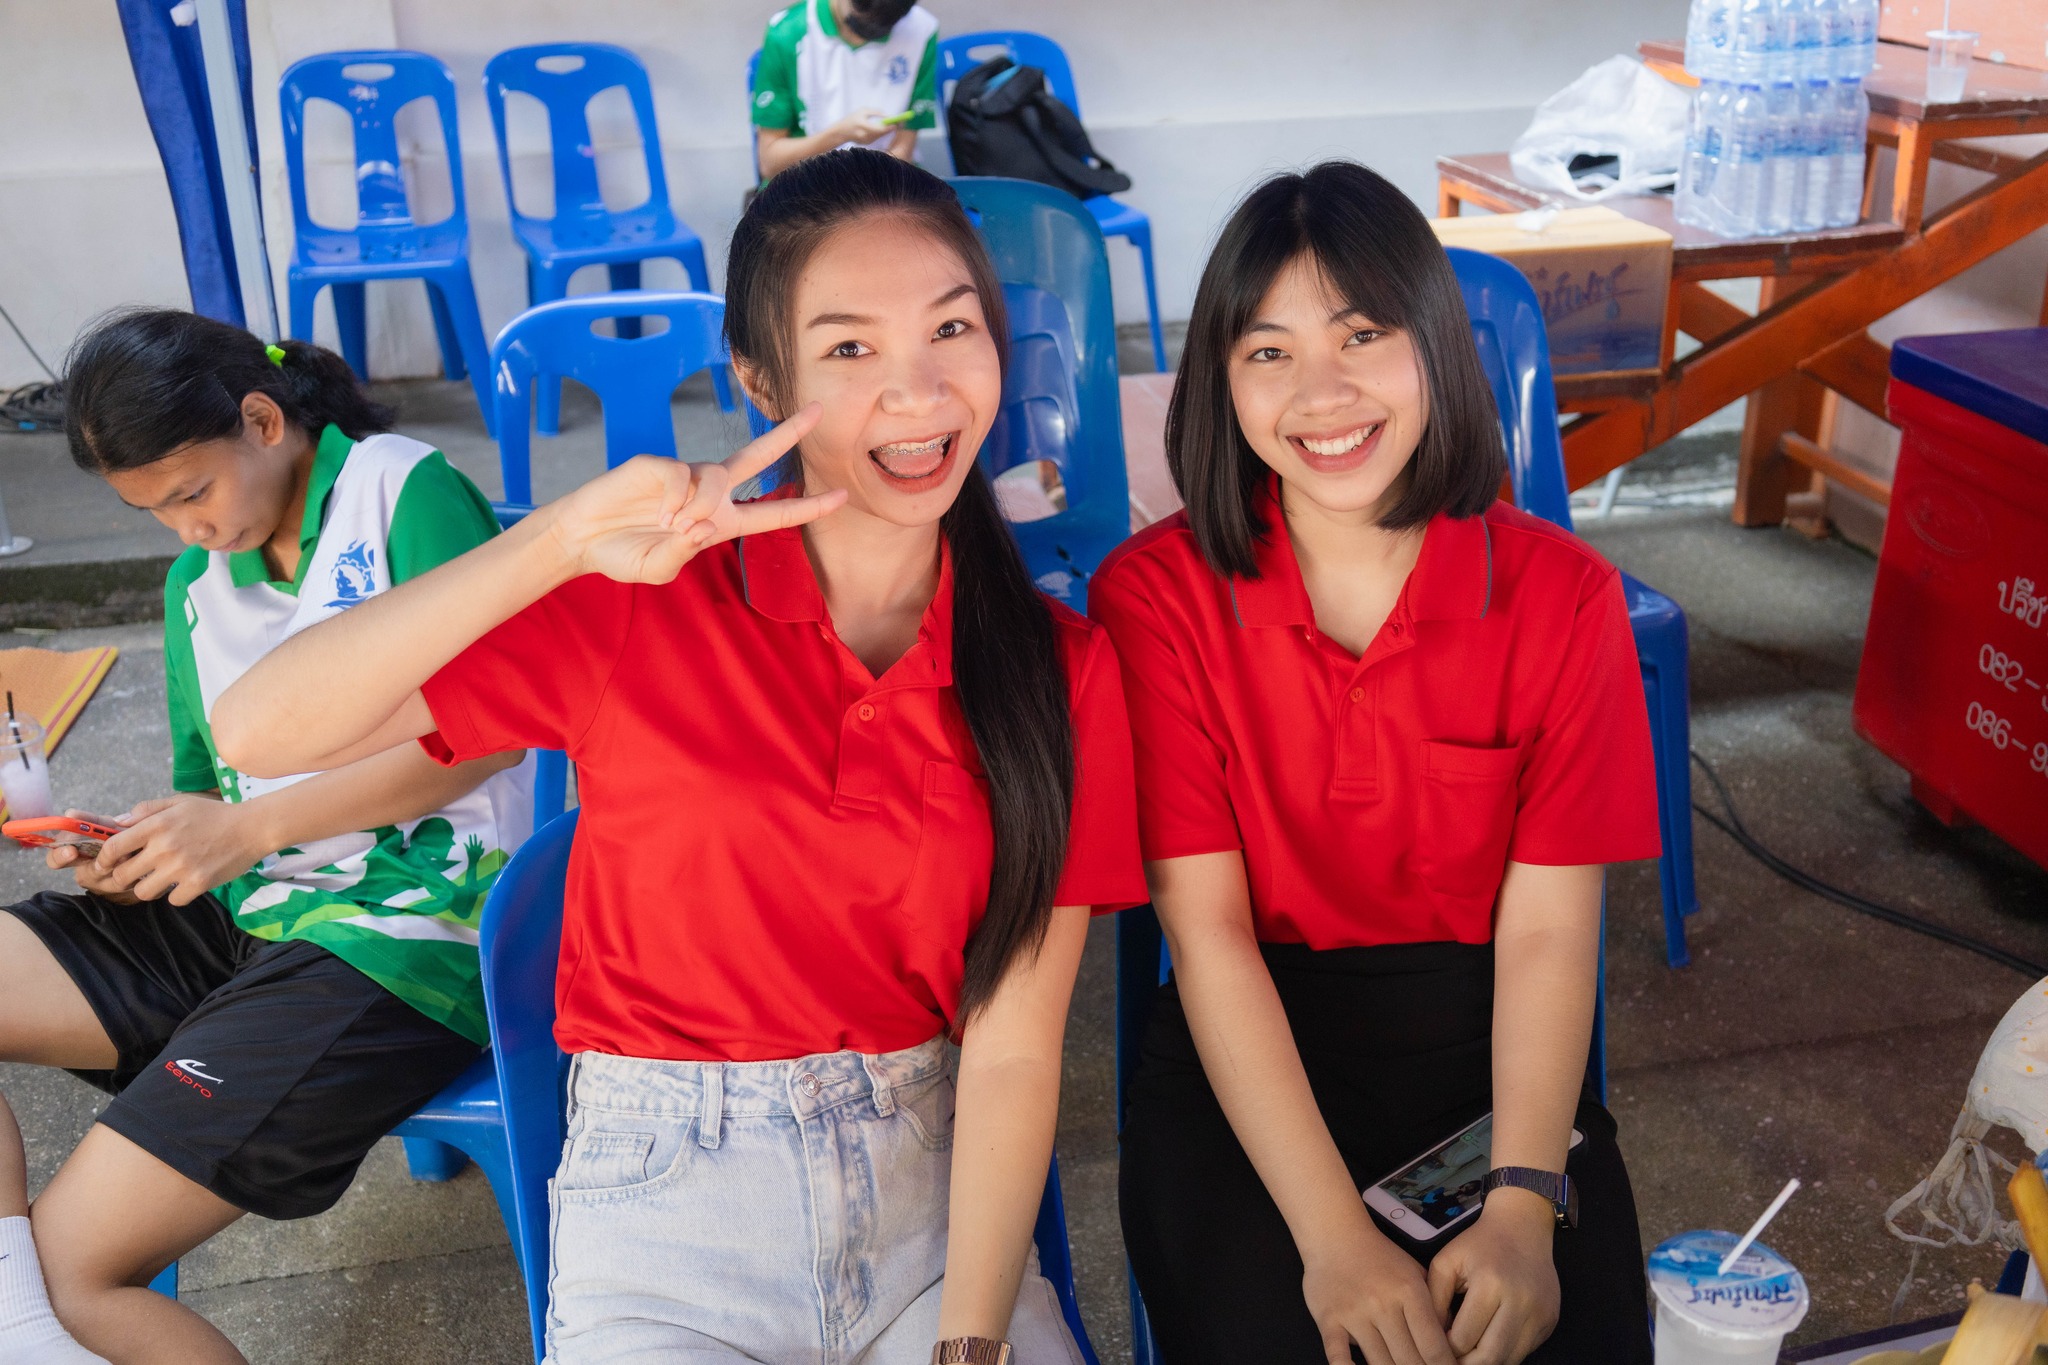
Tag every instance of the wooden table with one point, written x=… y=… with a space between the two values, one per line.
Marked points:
x=1820 y=290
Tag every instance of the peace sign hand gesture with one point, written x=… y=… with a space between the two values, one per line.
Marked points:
x=643 y=521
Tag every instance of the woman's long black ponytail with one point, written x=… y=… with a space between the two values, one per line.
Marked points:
x=144 y=382
x=1006 y=664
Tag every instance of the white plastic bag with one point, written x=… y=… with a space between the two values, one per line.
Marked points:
x=1619 y=108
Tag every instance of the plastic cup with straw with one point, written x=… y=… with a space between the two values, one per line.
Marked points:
x=1723 y=1299
x=24 y=771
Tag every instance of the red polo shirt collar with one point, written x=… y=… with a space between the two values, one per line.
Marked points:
x=779 y=583
x=1452 y=579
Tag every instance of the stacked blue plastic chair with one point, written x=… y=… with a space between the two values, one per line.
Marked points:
x=1060 y=398
x=1507 y=324
x=522 y=938
x=385 y=243
x=957 y=58
x=634 y=378
x=564 y=77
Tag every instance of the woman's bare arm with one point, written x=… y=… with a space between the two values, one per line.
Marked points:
x=350 y=686
x=1009 y=1101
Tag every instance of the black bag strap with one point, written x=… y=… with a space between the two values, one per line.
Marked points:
x=1102 y=178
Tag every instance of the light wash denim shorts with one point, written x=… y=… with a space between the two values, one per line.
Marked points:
x=786 y=1212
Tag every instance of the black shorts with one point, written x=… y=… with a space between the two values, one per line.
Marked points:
x=1397 y=1044
x=263 y=1071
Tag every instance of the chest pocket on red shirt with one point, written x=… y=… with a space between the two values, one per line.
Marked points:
x=1465 y=818
x=955 y=848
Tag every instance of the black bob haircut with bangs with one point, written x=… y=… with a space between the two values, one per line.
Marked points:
x=1379 y=255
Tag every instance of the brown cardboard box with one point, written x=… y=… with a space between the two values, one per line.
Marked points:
x=2014 y=31
x=1604 y=281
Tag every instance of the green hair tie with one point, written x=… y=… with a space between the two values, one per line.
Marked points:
x=276 y=354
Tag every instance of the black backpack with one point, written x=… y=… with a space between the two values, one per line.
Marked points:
x=1003 y=121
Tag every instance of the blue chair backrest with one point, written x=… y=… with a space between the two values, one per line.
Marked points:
x=1514 y=350
x=635 y=379
x=372 y=100
x=564 y=77
x=1040 y=406
x=753 y=142
x=521 y=941
x=957 y=58
x=1048 y=252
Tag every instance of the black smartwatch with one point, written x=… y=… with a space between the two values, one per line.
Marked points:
x=1558 y=1189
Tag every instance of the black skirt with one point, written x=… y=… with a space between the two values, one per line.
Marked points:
x=1397 y=1043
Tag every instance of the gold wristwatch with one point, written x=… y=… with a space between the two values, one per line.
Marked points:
x=971 y=1351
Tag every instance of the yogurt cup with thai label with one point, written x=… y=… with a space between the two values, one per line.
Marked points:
x=1707 y=1318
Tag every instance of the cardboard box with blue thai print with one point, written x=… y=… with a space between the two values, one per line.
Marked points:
x=1604 y=280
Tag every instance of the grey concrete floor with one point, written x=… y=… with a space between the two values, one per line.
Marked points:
x=1803 y=1040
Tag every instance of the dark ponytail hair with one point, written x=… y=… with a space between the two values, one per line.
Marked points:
x=1006 y=666
x=144 y=382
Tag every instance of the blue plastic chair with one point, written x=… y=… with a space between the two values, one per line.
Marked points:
x=522 y=939
x=1507 y=324
x=634 y=377
x=385 y=243
x=958 y=56
x=564 y=77
x=1060 y=398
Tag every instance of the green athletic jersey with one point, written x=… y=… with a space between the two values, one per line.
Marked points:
x=810 y=77
x=401 y=904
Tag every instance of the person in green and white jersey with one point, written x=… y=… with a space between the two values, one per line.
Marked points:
x=266 y=974
x=845 y=73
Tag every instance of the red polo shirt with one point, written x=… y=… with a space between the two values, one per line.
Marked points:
x=1497 y=715
x=779 y=854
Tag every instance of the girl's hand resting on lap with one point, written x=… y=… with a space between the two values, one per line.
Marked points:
x=1502 y=1265
x=643 y=521
x=1369 y=1291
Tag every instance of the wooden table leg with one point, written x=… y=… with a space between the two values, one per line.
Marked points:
x=1447 y=203
x=1909 y=175
x=1789 y=403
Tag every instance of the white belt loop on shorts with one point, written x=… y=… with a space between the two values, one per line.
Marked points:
x=885 y=1098
x=710 y=1102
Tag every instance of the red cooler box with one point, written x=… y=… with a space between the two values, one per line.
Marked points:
x=1954 y=682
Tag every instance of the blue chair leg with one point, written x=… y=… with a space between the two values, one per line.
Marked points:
x=692 y=258
x=431 y=1160
x=302 y=293
x=546 y=283
x=166 y=1282
x=2013 y=1278
x=452 y=366
x=458 y=292
x=625 y=275
x=1141 y=238
x=1056 y=1257
x=350 y=321
x=1675 y=951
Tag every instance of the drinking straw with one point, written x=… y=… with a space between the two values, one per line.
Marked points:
x=14 y=729
x=1756 y=1228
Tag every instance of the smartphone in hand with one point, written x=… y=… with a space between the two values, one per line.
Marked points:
x=87 y=833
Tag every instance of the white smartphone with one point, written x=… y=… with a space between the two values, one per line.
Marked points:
x=1441 y=1189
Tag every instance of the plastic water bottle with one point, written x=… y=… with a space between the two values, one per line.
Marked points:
x=1709 y=37
x=1780 y=59
x=1809 y=53
x=1816 y=150
x=1848 y=113
x=1830 y=31
x=1785 y=166
x=1757 y=32
x=1739 y=188
x=1858 y=52
x=1693 y=202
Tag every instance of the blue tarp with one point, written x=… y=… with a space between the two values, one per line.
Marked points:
x=171 y=75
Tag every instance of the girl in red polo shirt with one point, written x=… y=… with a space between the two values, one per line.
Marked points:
x=849 y=785
x=1387 y=729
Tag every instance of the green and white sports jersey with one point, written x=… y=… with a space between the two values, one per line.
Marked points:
x=401 y=904
x=810 y=77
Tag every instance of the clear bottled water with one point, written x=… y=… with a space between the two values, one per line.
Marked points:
x=1785 y=160
x=1815 y=149
x=1739 y=188
x=1775 y=139
x=1704 y=130
x=1848 y=113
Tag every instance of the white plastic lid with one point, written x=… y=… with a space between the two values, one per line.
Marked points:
x=1761 y=1295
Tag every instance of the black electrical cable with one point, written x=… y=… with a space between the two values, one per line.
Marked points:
x=12 y=327
x=1739 y=832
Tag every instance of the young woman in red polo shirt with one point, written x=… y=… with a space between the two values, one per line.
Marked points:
x=1387 y=729
x=849 y=785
